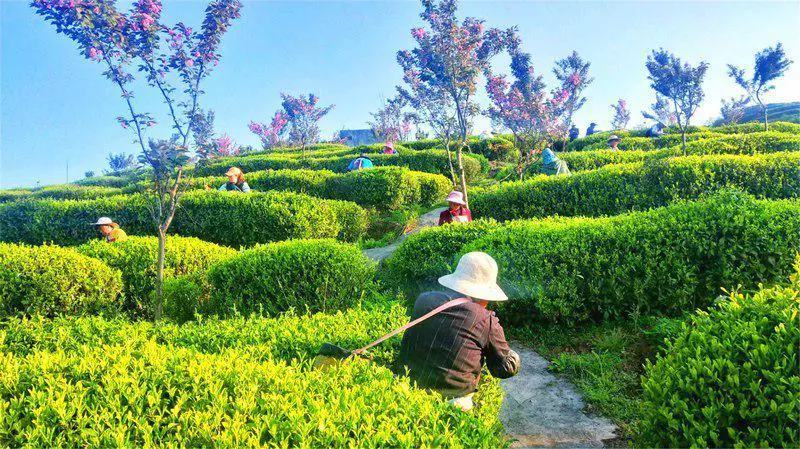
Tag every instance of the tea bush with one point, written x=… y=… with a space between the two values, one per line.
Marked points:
x=493 y=148
x=389 y=187
x=732 y=379
x=137 y=258
x=619 y=188
x=311 y=182
x=755 y=127
x=226 y=218
x=307 y=275
x=105 y=181
x=51 y=280
x=158 y=395
x=664 y=261
x=430 y=161
x=13 y=195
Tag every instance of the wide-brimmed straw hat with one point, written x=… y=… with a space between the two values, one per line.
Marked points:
x=233 y=171
x=614 y=137
x=476 y=277
x=104 y=221
x=456 y=197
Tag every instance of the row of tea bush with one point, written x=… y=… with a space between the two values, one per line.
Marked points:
x=220 y=217
x=619 y=188
x=243 y=382
x=97 y=277
x=665 y=261
x=672 y=134
x=716 y=143
x=429 y=161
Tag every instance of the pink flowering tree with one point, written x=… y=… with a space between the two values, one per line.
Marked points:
x=164 y=55
x=660 y=112
x=303 y=116
x=622 y=115
x=525 y=108
x=572 y=73
x=447 y=63
x=390 y=123
x=272 y=133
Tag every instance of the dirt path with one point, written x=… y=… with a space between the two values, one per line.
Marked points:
x=539 y=409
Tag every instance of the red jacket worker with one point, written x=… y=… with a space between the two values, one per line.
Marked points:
x=457 y=212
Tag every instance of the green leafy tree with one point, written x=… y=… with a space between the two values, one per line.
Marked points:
x=771 y=64
x=680 y=83
x=732 y=110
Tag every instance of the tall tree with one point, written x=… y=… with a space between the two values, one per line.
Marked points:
x=118 y=163
x=622 y=115
x=449 y=59
x=680 y=83
x=573 y=74
x=771 y=64
x=117 y=40
x=303 y=116
x=525 y=108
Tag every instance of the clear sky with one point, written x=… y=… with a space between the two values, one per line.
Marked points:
x=56 y=107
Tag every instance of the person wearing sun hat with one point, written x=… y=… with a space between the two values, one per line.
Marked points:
x=613 y=142
x=110 y=230
x=388 y=148
x=457 y=211
x=445 y=353
x=235 y=183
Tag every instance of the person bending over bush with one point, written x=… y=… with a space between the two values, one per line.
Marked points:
x=361 y=162
x=457 y=212
x=110 y=230
x=613 y=142
x=388 y=148
x=236 y=182
x=445 y=353
x=552 y=165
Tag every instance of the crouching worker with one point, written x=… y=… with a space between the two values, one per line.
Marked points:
x=445 y=353
x=360 y=163
x=456 y=211
x=236 y=182
x=110 y=230
x=552 y=165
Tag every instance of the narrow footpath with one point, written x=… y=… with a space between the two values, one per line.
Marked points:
x=539 y=409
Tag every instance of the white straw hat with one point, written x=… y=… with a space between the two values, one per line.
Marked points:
x=613 y=137
x=103 y=221
x=476 y=277
x=456 y=197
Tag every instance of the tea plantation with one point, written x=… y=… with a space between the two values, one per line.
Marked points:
x=664 y=284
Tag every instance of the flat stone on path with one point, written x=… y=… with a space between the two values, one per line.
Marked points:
x=542 y=410
x=426 y=220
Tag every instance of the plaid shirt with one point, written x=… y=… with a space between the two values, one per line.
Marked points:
x=446 y=352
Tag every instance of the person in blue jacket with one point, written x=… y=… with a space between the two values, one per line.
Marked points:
x=360 y=163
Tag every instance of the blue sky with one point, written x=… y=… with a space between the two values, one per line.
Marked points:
x=57 y=108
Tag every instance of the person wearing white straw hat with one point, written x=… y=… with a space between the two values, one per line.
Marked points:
x=613 y=142
x=110 y=230
x=445 y=353
x=457 y=211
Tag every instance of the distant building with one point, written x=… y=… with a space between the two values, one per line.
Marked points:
x=356 y=137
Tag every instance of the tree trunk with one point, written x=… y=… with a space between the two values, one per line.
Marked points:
x=766 y=123
x=159 y=299
x=461 y=170
x=450 y=162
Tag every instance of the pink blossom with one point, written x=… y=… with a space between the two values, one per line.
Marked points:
x=574 y=79
x=189 y=63
x=147 y=21
x=418 y=33
x=95 y=54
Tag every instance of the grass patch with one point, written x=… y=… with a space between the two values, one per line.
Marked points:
x=605 y=361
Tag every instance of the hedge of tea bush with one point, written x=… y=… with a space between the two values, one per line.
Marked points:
x=754 y=127
x=137 y=259
x=614 y=189
x=50 y=280
x=492 y=148
x=13 y=195
x=159 y=395
x=306 y=275
x=430 y=161
x=220 y=217
x=311 y=182
x=389 y=187
x=105 y=181
x=732 y=379
x=380 y=187
x=664 y=261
